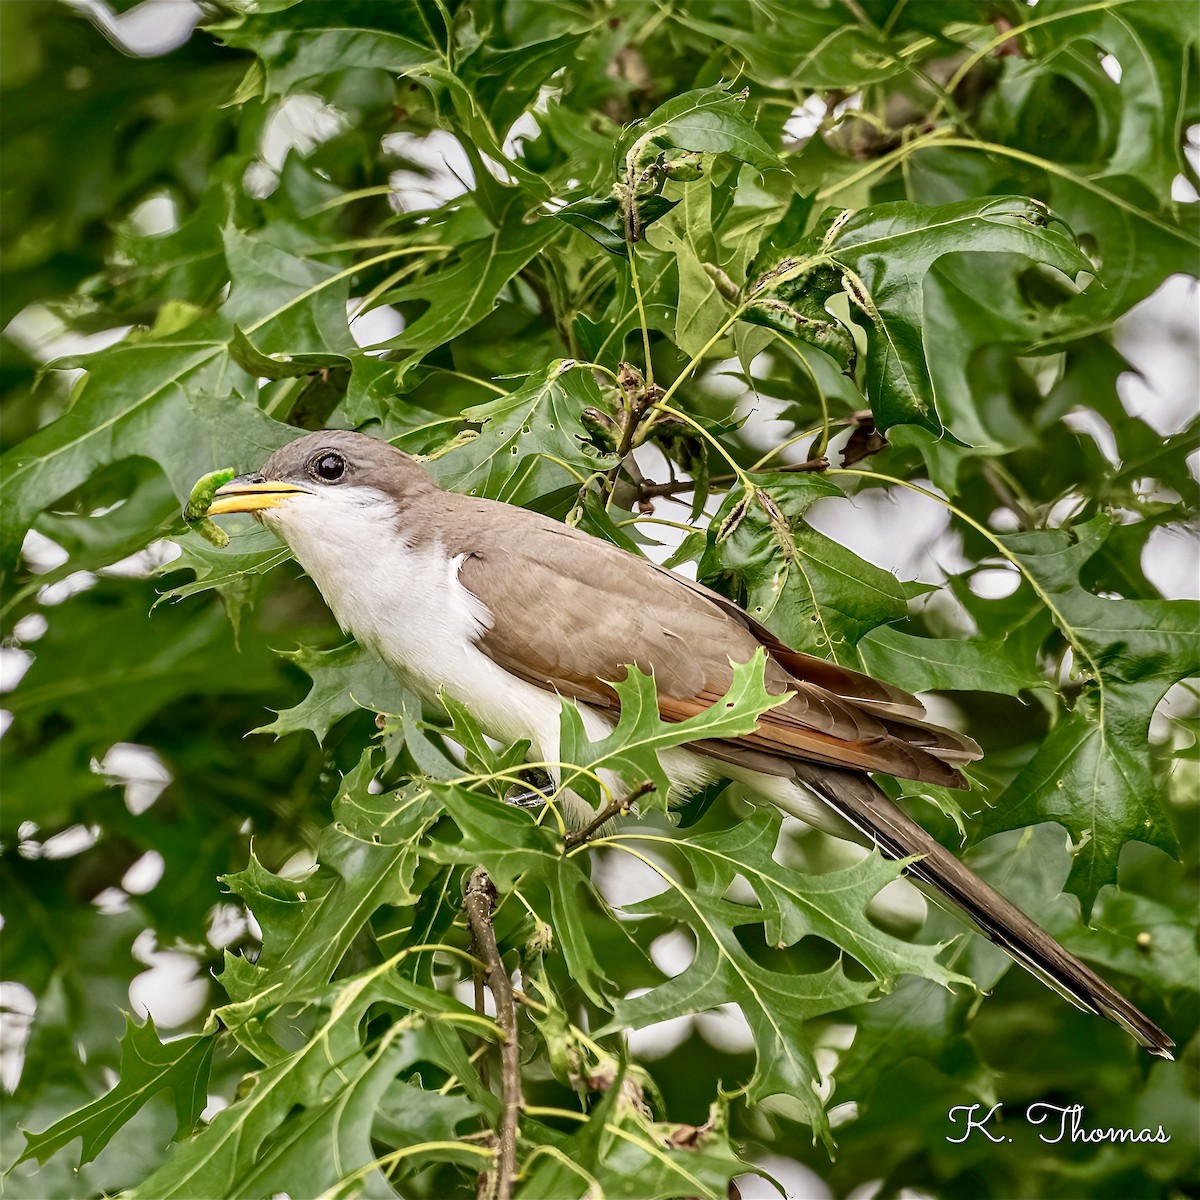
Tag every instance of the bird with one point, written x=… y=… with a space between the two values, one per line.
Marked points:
x=511 y=613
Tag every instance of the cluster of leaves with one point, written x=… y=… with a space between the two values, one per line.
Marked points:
x=911 y=220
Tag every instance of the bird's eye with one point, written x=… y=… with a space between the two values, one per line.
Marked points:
x=328 y=466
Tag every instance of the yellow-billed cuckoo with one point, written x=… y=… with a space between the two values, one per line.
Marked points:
x=510 y=612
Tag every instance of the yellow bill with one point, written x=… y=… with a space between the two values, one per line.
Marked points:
x=240 y=497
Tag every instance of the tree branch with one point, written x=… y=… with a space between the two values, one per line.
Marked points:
x=578 y=836
x=479 y=900
x=649 y=490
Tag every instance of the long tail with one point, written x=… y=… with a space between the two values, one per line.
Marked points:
x=860 y=802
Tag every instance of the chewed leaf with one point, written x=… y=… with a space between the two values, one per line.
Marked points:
x=879 y=258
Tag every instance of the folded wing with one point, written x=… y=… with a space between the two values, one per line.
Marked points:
x=687 y=636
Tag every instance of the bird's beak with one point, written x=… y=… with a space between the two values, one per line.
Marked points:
x=248 y=493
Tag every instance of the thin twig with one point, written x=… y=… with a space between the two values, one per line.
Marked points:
x=577 y=836
x=477 y=974
x=649 y=489
x=638 y=395
x=1007 y=497
x=479 y=901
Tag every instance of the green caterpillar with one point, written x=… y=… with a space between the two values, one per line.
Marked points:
x=197 y=505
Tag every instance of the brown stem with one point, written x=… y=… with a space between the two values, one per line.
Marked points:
x=479 y=1008
x=649 y=490
x=479 y=901
x=578 y=836
x=639 y=397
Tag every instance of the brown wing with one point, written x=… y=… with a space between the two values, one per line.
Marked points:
x=531 y=571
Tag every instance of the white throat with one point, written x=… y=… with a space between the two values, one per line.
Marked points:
x=407 y=604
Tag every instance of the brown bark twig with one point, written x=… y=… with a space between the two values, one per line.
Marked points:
x=479 y=901
x=578 y=836
x=649 y=490
x=637 y=399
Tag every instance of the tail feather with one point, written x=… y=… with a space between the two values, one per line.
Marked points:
x=861 y=803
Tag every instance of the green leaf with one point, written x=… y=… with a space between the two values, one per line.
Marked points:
x=166 y=398
x=1093 y=774
x=776 y=1004
x=780 y=44
x=530 y=441
x=330 y=1077
x=254 y=362
x=344 y=680
x=794 y=905
x=806 y=588
x=616 y=1153
x=308 y=926
x=460 y=295
x=602 y=220
x=513 y=847
x=921 y=664
x=147 y=1067
x=791 y=906
x=631 y=750
x=394 y=41
x=880 y=257
x=1141 y=939
x=710 y=120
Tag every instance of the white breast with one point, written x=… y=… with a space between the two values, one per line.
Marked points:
x=409 y=607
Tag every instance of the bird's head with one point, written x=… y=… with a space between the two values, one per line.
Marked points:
x=324 y=485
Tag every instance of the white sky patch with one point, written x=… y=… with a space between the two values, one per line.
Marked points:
x=726 y=1029
x=226 y=925
x=171 y=991
x=1161 y=339
x=13 y=665
x=18 y=1007
x=148 y=29
x=464 y=992
x=44 y=335
x=1088 y=421
x=805 y=119
x=155 y=216
x=673 y=952
x=65 y=588
x=1179 y=704
x=139 y=770
x=41 y=554
x=441 y=170
x=524 y=129
x=995 y=582
x=73 y=840
x=798 y=1182
x=146 y=563
x=300 y=866
x=145 y=874
x=897 y=529
x=659 y=1039
x=1171 y=561
x=379 y=324
x=30 y=627
x=1182 y=191
x=301 y=123
x=111 y=901
x=623 y=879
